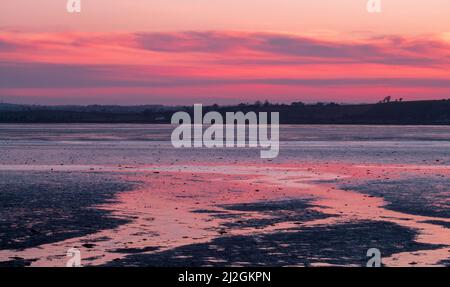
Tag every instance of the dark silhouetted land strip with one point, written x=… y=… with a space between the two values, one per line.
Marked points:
x=384 y=113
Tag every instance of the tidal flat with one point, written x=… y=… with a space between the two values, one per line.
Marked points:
x=123 y=196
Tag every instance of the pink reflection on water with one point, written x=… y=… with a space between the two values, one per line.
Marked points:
x=162 y=217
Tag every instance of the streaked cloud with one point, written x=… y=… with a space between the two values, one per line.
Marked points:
x=223 y=64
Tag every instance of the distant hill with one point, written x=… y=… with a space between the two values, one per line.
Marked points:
x=389 y=113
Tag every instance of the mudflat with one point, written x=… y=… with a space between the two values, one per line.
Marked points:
x=124 y=197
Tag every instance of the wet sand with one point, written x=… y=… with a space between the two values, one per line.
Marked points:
x=124 y=196
x=308 y=214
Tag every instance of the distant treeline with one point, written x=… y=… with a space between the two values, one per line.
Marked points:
x=385 y=112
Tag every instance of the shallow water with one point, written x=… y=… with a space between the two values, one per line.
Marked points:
x=155 y=132
x=147 y=144
x=358 y=184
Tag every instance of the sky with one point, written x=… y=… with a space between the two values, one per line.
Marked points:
x=223 y=51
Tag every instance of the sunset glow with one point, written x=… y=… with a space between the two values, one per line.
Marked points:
x=181 y=52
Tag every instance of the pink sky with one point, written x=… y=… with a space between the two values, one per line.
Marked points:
x=207 y=51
